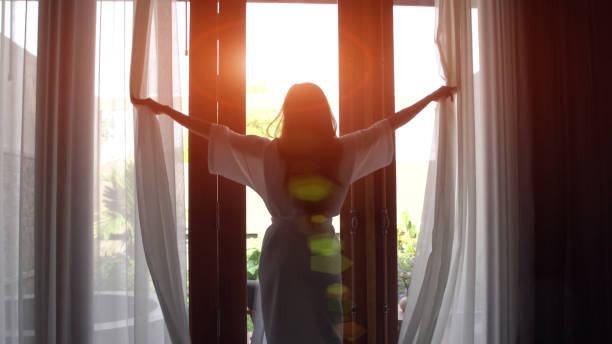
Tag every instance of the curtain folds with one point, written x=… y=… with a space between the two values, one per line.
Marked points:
x=151 y=75
x=18 y=58
x=64 y=172
x=74 y=262
x=465 y=276
x=506 y=195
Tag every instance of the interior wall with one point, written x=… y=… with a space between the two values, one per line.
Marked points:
x=569 y=81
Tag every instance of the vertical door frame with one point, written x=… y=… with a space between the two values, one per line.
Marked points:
x=368 y=222
x=231 y=95
x=217 y=218
x=203 y=249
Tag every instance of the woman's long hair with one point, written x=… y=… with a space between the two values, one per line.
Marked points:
x=306 y=113
x=305 y=107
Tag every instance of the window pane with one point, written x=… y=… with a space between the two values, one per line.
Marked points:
x=284 y=48
x=416 y=75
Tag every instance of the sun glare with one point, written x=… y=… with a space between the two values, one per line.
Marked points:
x=286 y=44
x=284 y=48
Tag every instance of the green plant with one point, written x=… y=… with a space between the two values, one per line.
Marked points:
x=253 y=253
x=250 y=326
x=115 y=222
x=114 y=272
x=407 y=237
x=258 y=121
x=252 y=256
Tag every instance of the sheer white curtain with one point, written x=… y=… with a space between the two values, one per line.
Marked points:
x=153 y=73
x=140 y=238
x=72 y=264
x=130 y=306
x=465 y=277
x=18 y=56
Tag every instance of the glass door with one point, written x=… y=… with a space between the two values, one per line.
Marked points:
x=283 y=47
x=416 y=75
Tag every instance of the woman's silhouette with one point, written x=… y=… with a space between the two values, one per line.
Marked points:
x=303 y=177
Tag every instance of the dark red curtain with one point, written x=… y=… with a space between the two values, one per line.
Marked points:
x=568 y=75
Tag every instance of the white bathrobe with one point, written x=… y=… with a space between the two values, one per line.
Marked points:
x=297 y=283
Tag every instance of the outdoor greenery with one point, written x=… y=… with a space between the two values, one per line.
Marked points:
x=258 y=121
x=114 y=224
x=407 y=236
x=252 y=256
x=249 y=324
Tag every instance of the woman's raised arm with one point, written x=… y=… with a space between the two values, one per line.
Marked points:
x=197 y=126
x=404 y=116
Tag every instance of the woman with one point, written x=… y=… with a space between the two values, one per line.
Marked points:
x=303 y=177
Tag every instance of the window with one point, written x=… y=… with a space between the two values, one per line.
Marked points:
x=18 y=67
x=121 y=276
x=283 y=48
x=416 y=74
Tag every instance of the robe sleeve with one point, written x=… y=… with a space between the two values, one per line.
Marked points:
x=367 y=150
x=237 y=157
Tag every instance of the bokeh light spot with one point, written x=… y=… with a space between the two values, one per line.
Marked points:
x=324 y=245
x=336 y=290
x=318 y=218
x=310 y=188
x=329 y=264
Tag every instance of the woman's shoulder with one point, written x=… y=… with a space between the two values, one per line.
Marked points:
x=377 y=130
x=223 y=130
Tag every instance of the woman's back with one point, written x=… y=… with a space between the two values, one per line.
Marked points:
x=301 y=259
x=257 y=162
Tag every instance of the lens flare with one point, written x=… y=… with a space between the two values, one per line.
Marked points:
x=318 y=219
x=310 y=188
x=336 y=290
x=324 y=245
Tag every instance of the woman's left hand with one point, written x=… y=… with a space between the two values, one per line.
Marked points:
x=443 y=92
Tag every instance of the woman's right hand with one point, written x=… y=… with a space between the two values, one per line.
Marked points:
x=443 y=92
x=198 y=126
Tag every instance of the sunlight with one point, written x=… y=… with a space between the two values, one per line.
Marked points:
x=283 y=48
